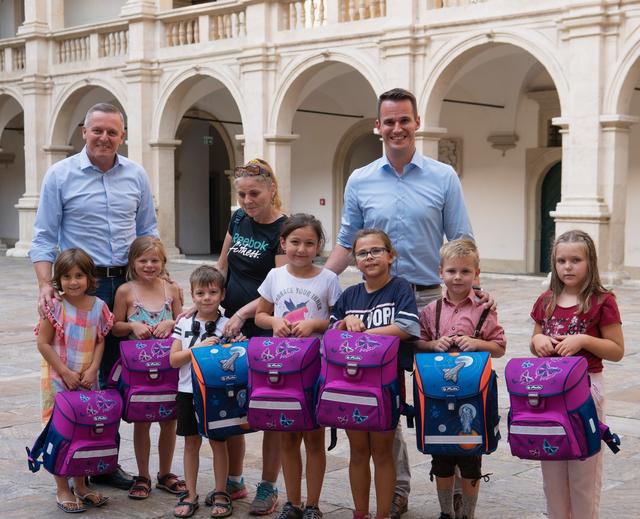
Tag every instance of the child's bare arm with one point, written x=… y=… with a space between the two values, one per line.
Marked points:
x=177 y=356
x=437 y=345
x=391 y=329
x=466 y=343
x=265 y=319
x=542 y=345
x=608 y=347
x=46 y=335
x=309 y=326
x=89 y=376
x=163 y=329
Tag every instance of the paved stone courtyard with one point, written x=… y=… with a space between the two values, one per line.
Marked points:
x=515 y=489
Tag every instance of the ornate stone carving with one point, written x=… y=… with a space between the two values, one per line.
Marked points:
x=450 y=152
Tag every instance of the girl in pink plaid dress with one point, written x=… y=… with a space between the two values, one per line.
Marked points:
x=71 y=341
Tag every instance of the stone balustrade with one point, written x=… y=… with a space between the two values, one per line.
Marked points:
x=72 y=49
x=182 y=32
x=353 y=10
x=12 y=55
x=303 y=14
x=227 y=25
x=439 y=4
x=113 y=43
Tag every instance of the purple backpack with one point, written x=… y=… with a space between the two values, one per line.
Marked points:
x=553 y=415
x=359 y=386
x=81 y=437
x=147 y=382
x=283 y=374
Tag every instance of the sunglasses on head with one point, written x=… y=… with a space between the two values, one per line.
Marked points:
x=250 y=170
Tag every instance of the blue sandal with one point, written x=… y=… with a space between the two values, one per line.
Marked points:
x=191 y=506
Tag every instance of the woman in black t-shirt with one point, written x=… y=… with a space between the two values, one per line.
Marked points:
x=250 y=251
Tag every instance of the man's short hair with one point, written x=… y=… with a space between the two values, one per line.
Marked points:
x=105 y=108
x=398 y=94
x=462 y=248
x=206 y=276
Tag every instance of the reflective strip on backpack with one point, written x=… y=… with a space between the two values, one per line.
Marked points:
x=446 y=440
x=153 y=398
x=270 y=404
x=95 y=454
x=350 y=399
x=538 y=430
x=229 y=422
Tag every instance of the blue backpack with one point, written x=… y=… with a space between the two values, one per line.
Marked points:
x=220 y=375
x=456 y=400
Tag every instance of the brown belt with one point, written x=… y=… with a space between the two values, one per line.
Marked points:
x=421 y=288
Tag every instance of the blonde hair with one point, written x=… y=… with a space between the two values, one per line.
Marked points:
x=268 y=177
x=141 y=245
x=462 y=248
x=592 y=284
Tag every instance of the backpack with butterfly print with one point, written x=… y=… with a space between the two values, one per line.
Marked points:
x=147 y=382
x=456 y=400
x=553 y=415
x=359 y=386
x=81 y=437
x=283 y=374
x=219 y=373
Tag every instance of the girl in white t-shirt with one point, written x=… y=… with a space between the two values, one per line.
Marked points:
x=295 y=300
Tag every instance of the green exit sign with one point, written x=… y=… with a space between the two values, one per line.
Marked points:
x=208 y=140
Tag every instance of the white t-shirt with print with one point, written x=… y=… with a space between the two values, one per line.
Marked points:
x=298 y=299
x=182 y=332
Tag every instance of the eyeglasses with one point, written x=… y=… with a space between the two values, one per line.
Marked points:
x=375 y=252
x=250 y=170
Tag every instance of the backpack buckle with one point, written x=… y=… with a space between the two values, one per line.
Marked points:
x=534 y=399
x=351 y=369
x=99 y=428
x=274 y=377
x=153 y=373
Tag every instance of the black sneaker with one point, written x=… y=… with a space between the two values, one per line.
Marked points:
x=290 y=511
x=311 y=512
x=117 y=479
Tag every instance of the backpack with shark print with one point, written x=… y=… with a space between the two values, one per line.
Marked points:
x=283 y=375
x=219 y=373
x=553 y=415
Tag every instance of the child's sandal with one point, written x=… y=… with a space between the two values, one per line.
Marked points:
x=141 y=488
x=171 y=483
x=192 y=506
x=221 y=509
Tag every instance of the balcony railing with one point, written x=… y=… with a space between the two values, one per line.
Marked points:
x=439 y=4
x=74 y=48
x=114 y=43
x=89 y=43
x=353 y=10
x=303 y=14
x=12 y=55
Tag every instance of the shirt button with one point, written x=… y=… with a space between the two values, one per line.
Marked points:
x=455 y=311
x=453 y=328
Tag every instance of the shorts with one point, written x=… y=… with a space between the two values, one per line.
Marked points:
x=187 y=423
x=444 y=466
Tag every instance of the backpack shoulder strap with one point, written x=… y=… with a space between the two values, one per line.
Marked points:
x=237 y=218
x=438 y=312
x=38 y=448
x=483 y=318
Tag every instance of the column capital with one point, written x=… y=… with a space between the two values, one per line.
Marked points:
x=562 y=123
x=281 y=139
x=258 y=59
x=57 y=148
x=617 y=122
x=582 y=210
x=165 y=144
x=431 y=133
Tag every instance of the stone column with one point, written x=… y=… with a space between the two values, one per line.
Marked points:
x=615 y=168
x=164 y=197
x=586 y=50
x=427 y=140
x=36 y=88
x=279 y=153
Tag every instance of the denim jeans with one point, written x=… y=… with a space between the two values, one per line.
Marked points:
x=106 y=291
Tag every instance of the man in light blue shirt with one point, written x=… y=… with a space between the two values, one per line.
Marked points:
x=417 y=201
x=100 y=202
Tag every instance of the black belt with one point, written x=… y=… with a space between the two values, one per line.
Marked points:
x=111 y=272
x=420 y=288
